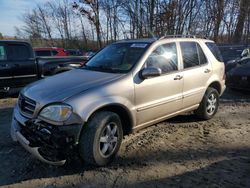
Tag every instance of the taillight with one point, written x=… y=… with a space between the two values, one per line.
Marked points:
x=223 y=74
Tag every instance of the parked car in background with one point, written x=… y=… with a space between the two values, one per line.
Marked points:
x=74 y=52
x=238 y=76
x=127 y=86
x=231 y=52
x=245 y=53
x=50 y=51
x=19 y=66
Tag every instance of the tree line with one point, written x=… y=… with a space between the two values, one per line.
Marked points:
x=94 y=23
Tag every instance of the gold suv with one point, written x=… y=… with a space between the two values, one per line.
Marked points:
x=127 y=86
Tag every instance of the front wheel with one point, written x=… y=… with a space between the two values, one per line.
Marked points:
x=209 y=104
x=101 y=138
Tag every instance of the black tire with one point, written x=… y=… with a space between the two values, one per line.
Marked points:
x=92 y=147
x=203 y=111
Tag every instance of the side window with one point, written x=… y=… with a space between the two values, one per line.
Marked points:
x=202 y=57
x=2 y=53
x=215 y=50
x=164 y=57
x=18 y=52
x=192 y=54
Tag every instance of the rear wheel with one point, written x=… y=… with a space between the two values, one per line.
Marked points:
x=209 y=104
x=101 y=139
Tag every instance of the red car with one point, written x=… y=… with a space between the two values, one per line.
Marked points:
x=50 y=51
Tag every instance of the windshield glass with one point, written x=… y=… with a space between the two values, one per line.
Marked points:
x=117 y=58
x=244 y=61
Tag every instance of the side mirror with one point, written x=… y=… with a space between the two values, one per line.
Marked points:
x=245 y=53
x=150 y=72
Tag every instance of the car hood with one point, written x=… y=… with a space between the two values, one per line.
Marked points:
x=65 y=85
x=240 y=70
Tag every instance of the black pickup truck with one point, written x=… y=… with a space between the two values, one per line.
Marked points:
x=19 y=66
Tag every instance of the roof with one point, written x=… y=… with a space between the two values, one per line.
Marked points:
x=151 y=40
x=142 y=40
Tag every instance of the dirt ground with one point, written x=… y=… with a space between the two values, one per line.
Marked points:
x=180 y=152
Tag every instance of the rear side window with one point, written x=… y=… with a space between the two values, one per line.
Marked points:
x=18 y=52
x=43 y=53
x=2 y=53
x=215 y=50
x=192 y=54
x=202 y=57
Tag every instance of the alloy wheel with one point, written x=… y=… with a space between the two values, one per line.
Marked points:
x=108 y=140
x=211 y=104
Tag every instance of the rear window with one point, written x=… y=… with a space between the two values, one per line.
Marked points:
x=215 y=50
x=18 y=52
x=43 y=53
x=2 y=53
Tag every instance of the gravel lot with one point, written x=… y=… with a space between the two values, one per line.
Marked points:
x=180 y=152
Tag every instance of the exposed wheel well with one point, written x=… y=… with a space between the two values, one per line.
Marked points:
x=123 y=114
x=216 y=85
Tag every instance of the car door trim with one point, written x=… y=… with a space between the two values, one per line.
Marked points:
x=21 y=76
x=190 y=93
x=24 y=76
x=168 y=100
x=143 y=125
x=6 y=77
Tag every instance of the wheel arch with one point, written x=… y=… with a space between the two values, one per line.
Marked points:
x=216 y=85
x=122 y=111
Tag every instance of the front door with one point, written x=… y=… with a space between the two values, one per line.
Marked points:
x=23 y=63
x=162 y=95
x=5 y=69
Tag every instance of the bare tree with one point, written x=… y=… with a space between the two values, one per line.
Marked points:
x=91 y=10
x=244 y=8
x=86 y=23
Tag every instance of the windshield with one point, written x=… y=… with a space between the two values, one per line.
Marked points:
x=117 y=58
x=244 y=61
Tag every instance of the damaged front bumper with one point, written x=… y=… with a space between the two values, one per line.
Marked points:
x=50 y=144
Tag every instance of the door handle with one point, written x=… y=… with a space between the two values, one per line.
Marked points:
x=178 y=77
x=207 y=71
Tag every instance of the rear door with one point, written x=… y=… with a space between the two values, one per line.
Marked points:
x=196 y=72
x=23 y=63
x=5 y=68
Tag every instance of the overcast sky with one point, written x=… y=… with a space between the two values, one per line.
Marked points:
x=11 y=12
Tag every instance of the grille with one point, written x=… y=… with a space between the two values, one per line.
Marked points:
x=26 y=105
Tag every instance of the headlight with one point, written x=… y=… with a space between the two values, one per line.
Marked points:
x=58 y=113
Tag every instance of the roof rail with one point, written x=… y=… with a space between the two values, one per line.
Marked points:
x=182 y=36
